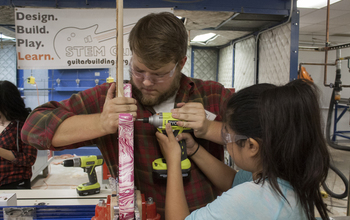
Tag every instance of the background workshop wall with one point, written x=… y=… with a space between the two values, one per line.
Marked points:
x=317 y=73
x=34 y=94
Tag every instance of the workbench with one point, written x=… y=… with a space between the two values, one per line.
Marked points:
x=57 y=203
x=56 y=197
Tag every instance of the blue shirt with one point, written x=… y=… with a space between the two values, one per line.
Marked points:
x=248 y=200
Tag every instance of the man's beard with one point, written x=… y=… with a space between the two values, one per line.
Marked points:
x=152 y=101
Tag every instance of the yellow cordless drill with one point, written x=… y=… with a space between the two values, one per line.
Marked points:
x=159 y=120
x=88 y=163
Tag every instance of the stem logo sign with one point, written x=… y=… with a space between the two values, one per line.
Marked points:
x=71 y=38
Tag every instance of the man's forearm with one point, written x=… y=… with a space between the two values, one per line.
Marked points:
x=77 y=129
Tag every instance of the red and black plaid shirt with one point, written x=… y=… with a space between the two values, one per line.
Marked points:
x=43 y=121
x=21 y=167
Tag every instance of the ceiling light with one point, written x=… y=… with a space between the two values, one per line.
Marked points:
x=314 y=3
x=183 y=19
x=5 y=37
x=203 y=37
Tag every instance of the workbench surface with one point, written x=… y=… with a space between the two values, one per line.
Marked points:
x=56 y=197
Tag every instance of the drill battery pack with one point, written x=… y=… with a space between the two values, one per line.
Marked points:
x=85 y=189
x=160 y=169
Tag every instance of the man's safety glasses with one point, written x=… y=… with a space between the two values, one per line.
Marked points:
x=153 y=77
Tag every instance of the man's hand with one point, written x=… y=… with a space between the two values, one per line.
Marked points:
x=193 y=116
x=169 y=146
x=113 y=106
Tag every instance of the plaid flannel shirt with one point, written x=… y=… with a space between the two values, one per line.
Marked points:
x=43 y=121
x=21 y=167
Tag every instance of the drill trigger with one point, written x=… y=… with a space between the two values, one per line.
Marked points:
x=176 y=132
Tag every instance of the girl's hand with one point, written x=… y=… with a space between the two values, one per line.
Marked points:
x=191 y=144
x=169 y=146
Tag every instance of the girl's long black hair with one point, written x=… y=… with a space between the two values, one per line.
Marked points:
x=286 y=121
x=11 y=102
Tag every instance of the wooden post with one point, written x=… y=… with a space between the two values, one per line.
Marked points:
x=126 y=134
x=120 y=50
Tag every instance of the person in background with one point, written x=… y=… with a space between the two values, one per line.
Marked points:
x=274 y=134
x=16 y=157
x=159 y=44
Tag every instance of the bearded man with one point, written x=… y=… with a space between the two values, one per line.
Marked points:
x=159 y=45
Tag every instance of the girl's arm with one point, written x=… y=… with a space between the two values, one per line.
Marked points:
x=217 y=172
x=220 y=174
x=175 y=201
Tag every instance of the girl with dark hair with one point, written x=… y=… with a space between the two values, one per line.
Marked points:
x=16 y=157
x=274 y=134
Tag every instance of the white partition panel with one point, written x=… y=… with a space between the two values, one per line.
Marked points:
x=244 y=64
x=8 y=62
x=205 y=64
x=274 y=55
x=187 y=68
x=225 y=66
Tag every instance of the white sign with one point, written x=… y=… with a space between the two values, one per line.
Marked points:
x=72 y=38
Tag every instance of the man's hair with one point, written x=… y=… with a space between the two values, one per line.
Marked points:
x=286 y=122
x=158 y=39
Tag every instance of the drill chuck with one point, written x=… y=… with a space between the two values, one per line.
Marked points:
x=74 y=162
x=84 y=161
x=159 y=120
x=155 y=120
x=68 y=163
